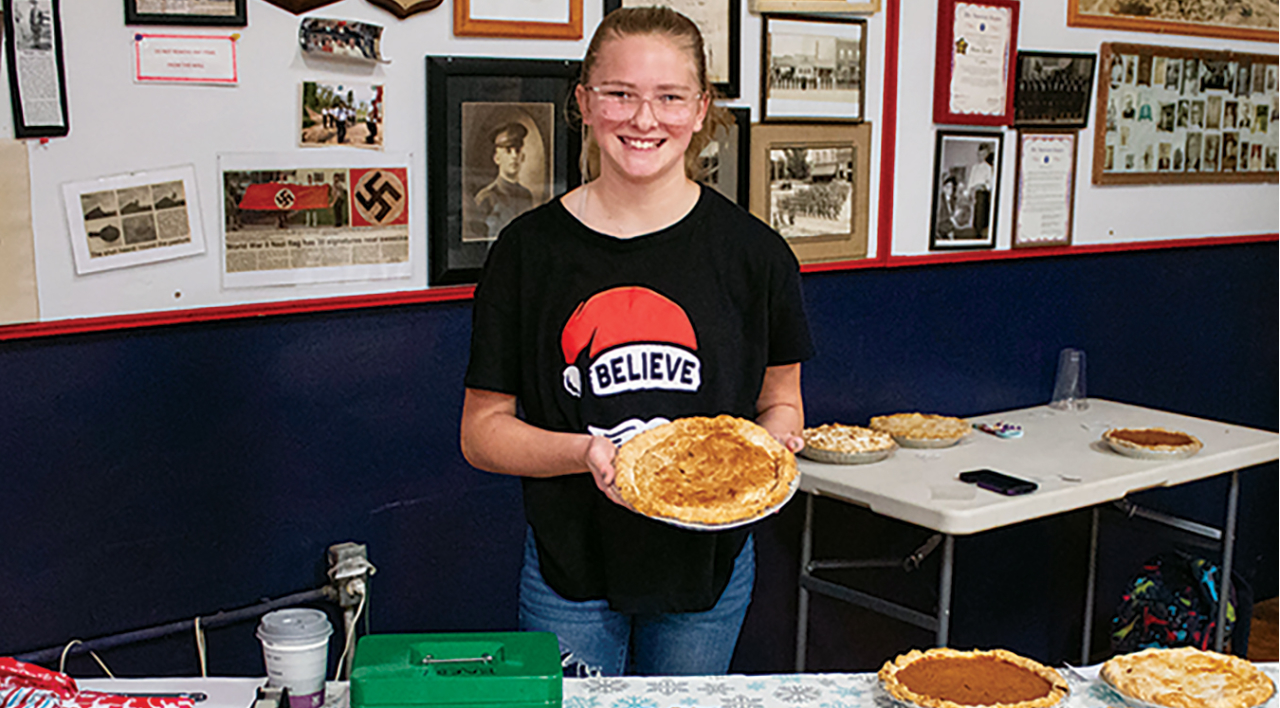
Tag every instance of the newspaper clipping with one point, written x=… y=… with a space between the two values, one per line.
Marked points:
x=315 y=224
x=35 y=61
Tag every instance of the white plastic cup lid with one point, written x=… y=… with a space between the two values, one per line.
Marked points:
x=295 y=625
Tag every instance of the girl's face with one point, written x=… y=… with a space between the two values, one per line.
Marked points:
x=632 y=103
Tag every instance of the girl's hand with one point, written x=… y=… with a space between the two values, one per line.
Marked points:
x=791 y=441
x=600 y=455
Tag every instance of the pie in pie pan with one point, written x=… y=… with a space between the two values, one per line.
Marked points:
x=1152 y=443
x=922 y=429
x=840 y=444
x=1187 y=677
x=706 y=473
x=949 y=678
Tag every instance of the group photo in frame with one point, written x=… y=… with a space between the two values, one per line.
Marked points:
x=720 y=23
x=1184 y=115
x=726 y=161
x=977 y=47
x=1213 y=18
x=213 y=13
x=812 y=68
x=810 y=182
x=966 y=190
x=520 y=19
x=499 y=145
x=1044 y=198
x=1053 y=89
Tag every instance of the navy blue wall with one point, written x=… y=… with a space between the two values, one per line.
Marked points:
x=152 y=475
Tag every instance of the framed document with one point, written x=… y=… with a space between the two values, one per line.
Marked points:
x=725 y=161
x=219 y=13
x=498 y=145
x=1053 y=89
x=720 y=23
x=1256 y=22
x=1046 y=179
x=37 y=84
x=977 y=45
x=812 y=68
x=861 y=7
x=966 y=190
x=522 y=19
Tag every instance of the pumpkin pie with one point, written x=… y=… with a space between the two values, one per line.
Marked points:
x=1187 y=677
x=1154 y=440
x=948 y=678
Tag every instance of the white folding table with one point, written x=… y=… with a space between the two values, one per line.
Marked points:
x=1061 y=451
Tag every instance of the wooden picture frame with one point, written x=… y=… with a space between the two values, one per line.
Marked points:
x=298 y=7
x=476 y=109
x=206 y=13
x=811 y=183
x=977 y=46
x=812 y=68
x=1108 y=14
x=520 y=19
x=38 y=37
x=964 y=217
x=727 y=159
x=1045 y=188
x=857 y=7
x=1180 y=115
x=720 y=23
x=1053 y=89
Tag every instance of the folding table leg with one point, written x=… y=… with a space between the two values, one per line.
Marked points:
x=802 y=612
x=944 y=589
x=1086 y=641
x=1228 y=555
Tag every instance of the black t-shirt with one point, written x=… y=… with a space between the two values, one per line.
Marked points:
x=611 y=336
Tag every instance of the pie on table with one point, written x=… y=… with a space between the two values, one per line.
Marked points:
x=948 y=678
x=835 y=437
x=1157 y=440
x=922 y=427
x=705 y=471
x=1187 y=677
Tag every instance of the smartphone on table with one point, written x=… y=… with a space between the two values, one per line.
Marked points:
x=998 y=482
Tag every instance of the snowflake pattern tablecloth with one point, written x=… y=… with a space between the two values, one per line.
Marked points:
x=793 y=691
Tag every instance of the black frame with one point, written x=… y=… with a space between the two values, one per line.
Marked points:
x=1052 y=109
x=742 y=118
x=936 y=242
x=727 y=89
x=766 y=52
x=133 y=17
x=451 y=81
x=20 y=128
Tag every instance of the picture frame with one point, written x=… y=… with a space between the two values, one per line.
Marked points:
x=1181 y=115
x=1166 y=19
x=1044 y=200
x=812 y=68
x=811 y=183
x=977 y=48
x=858 y=7
x=726 y=161
x=966 y=190
x=483 y=115
x=520 y=19
x=1053 y=89
x=206 y=13
x=298 y=7
x=720 y=23
x=34 y=41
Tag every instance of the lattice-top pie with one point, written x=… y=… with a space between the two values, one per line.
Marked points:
x=1187 y=677
x=921 y=426
x=1152 y=440
x=705 y=470
x=948 y=678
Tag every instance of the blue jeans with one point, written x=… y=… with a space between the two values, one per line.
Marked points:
x=603 y=642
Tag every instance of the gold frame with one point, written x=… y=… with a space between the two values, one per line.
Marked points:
x=1078 y=18
x=857 y=7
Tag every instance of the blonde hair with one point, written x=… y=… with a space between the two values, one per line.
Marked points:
x=680 y=31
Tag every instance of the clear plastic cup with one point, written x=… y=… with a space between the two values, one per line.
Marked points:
x=1069 y=387
x=295 y=649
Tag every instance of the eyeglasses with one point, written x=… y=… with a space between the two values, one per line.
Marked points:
x=667 y=107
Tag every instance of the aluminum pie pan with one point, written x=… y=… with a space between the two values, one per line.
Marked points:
x=928 y=443
x=694 y=526
x=1141 y=453
x=1139 y=703
x=836 y=457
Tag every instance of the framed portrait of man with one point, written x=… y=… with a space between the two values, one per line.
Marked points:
x=966 y=187
x=506 y=164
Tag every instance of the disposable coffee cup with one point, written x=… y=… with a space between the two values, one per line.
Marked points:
x=295 y=648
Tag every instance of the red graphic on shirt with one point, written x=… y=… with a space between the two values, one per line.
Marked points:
x=646 y=340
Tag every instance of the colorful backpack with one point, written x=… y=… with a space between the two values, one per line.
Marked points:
x=1171 y=602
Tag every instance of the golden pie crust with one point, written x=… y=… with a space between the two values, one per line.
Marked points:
x=705 y=470
x=949 y=678
x=1187 y=677
x=1152 y=439
x=835 y=437
x=921 y=426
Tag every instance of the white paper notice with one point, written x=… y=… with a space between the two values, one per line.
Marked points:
x=203 y=59
x=1045 y=188
x=556 y=11
x=980 y=55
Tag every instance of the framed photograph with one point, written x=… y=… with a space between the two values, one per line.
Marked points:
x=720 y=22
x=37 y=81
x=812 y=68
x=966 y=190
x=1183 y=115
x=726 y=164
x=1044 y=205
x=860 y=7
x=1213 y=18
x=973 y=83
x=220 y=13
x=810 y=182
x=521 y=19
x=1053 y=90
x=498 y=145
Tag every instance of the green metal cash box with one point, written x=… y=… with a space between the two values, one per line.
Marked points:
x=467 y=670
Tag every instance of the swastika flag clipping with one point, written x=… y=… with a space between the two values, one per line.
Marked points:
x=380 y=196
